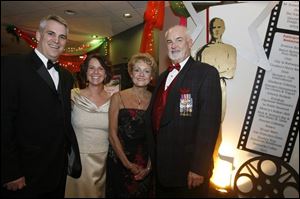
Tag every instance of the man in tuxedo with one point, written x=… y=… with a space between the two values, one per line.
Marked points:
x=185 y=112
x=38 y=145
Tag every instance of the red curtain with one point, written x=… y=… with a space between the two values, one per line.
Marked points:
x=154 y=18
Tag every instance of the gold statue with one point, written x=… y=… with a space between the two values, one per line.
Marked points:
x=223 y=57
x=220 y=55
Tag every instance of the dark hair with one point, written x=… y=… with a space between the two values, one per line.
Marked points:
x=85 y=65
x=211 y=24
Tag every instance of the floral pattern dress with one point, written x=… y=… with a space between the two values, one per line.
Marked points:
x=120 y=181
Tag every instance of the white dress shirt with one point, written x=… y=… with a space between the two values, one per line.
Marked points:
x=174 y=72
x=53 y=73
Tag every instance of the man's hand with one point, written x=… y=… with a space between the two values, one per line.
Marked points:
x=194 y=180
x=16 y=184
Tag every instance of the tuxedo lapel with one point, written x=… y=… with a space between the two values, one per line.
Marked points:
x=42 y=71
x=62 y=87
x=61 y=84
x=174 y=95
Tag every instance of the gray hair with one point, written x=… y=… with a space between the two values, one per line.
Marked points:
x=187 y=33
x=56 y=18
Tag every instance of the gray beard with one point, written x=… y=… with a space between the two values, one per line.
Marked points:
x=175 y=56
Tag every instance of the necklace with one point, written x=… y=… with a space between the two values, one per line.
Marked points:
x=139 y=101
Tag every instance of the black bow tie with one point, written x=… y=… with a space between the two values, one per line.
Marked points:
x=50 y=64
x=175 y=66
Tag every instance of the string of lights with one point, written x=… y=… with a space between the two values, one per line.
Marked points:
x=72 y=57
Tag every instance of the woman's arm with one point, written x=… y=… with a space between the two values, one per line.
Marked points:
x=113 y=135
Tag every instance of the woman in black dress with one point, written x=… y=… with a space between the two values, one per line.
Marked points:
x=128 y=161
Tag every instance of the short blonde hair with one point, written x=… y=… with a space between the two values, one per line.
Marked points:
x=145 y=57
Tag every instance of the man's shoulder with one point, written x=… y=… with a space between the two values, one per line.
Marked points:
x=14 y=61
x=65 y=73
x=64 y=70
x=198 y=66
x=14 y=57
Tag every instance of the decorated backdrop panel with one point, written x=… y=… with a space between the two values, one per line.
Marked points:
x=262 y=106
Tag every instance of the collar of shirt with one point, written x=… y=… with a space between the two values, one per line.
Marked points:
x=53 y=73
x=42 y=57
x=182 y=64
x=174 y=73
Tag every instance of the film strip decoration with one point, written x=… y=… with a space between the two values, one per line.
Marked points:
x=251 y=109
x=293 y=133
x=257 y=86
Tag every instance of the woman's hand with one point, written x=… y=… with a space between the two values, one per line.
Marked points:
x=134 y=168
x=142 y=174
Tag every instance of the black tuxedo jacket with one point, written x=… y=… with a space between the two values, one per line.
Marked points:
x=186 y=143
x=36 y=128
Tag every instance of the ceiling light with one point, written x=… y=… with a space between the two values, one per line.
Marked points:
x=70 y=12
x=127 y=15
